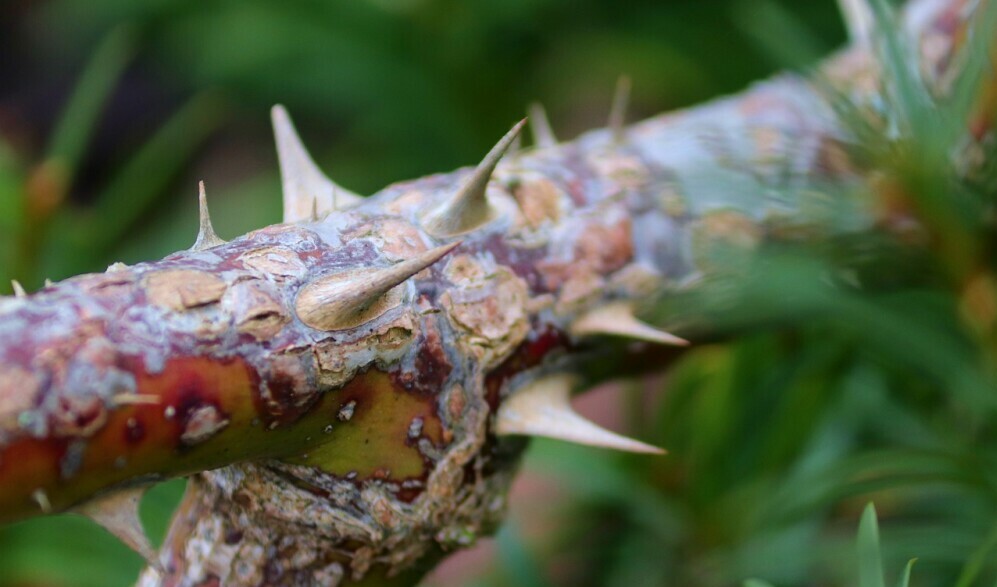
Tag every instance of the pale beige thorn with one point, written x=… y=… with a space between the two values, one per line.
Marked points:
x=469 y=207
x=543 y=408
x=617 y=318
x=350 y=298
x=206 y=237
x=338 y=204
x=302 y=180
x=859 y=20
x=118 y=514
x=48 y=282
x=18 y=288
x=543 y=134
x=315 y=206
x=41 y=498
x=516 y=146
x=134 y=399
x=618 y=110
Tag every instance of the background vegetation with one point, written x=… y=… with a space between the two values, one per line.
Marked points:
x=838 y=376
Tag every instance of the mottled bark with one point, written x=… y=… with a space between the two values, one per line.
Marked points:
x=354 y=448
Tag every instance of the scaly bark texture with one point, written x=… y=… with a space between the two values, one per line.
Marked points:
x=349 y=445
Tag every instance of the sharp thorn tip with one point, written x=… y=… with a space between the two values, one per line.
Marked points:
x=345 y=300
x=543 y=133
x=469 y=207
x=304 y=184
x=206 y=237
x=618 y=319
x=618 y=110
x=543 y=408
x=41 y=498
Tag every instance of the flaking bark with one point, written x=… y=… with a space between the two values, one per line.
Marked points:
x=339 y=454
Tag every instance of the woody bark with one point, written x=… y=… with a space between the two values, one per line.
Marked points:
x=331 y=442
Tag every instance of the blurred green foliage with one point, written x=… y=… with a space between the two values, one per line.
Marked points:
x=855 y=372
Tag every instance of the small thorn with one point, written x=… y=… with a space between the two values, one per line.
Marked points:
x=543 y=134
x=206 y=237
x=859 y=20
x=18 y=289
x=302 y=180
x=469 y=207
x=41 y=498
x=134 y=399
x=48 y=282
x=118 y=514
x=618 y=111
x=543 y=408
x=617 y=318
x=348 y=299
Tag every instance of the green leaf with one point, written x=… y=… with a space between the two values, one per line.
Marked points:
x=905 y=578
x=870 y=560
x=977 y=561
x=757 y=583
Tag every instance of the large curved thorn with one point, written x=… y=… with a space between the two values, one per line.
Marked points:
x=302 y=180
x=617 y=319
x=543 y=408
x=348 y=299
x=469 y=207
x=118 y=514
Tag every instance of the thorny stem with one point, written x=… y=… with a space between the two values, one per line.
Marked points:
x=354 y=452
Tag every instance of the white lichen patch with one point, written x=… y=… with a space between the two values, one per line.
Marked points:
x=202 y=423
x=345 y=413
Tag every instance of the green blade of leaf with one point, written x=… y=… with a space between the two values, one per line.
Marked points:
x=905 y=578
x=870 y=560
x=976 y=562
